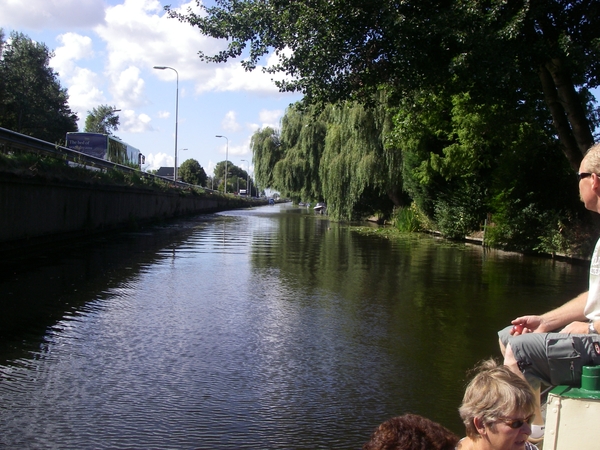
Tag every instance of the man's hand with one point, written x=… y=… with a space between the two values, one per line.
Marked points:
x=527 y=324
x=576 y=328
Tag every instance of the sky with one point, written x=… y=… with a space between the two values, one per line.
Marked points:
x=104 y=54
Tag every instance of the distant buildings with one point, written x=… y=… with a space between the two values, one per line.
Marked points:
x=166 y=172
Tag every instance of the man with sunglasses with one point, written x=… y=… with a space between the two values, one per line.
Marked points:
x=552 y=348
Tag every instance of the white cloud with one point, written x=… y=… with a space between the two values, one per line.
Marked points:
x=132 y=123
x=134 y=36
x=84 y=94
x=270 y=118
x=253 y=127
x=233 y=77
x=84 y=84
x=140 y=33
x=239 y=150
x=128 y=87
x=74 y=47
x=47 y=14
x=267 y=118
x=229 y=123
x=155 y=162
x=163 y=114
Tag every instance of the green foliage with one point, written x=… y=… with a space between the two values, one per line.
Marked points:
x=460 y=212
x=339 y=49
x=266 y=148
x=337 y=155
x=520 y=53
x=102 y=119
x=517 y=227
x=470 y=86
x=463 y=160
x=32 y=101
x=553 y=240
x=302 y=142
x=192 y=172
x=56 y=168
x=409 y=219
x=235 y=176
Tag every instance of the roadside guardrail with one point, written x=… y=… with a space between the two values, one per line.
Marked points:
x=13 y=141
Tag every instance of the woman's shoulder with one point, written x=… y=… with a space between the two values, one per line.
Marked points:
x=463 y=444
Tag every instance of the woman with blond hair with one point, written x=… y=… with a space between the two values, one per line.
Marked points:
x=497 y=410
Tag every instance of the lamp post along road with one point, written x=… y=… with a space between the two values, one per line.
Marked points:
x=176 y=115
x=226 y=157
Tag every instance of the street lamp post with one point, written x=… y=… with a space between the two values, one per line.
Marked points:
x=226 y=157
x=247 y=179
x=176 y=115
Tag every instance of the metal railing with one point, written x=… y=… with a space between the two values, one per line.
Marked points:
x=13 y=141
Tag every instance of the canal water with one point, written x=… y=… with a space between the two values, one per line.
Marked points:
x=268 y=328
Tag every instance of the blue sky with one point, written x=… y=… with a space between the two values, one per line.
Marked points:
x=105 y=52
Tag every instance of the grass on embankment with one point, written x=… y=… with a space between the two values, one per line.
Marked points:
x=56 y=169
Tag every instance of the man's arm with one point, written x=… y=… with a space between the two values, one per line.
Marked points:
x=558 y=318
x=572 y=311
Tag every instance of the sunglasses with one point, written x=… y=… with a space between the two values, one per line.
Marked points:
x=582 y=175
x=516 y=423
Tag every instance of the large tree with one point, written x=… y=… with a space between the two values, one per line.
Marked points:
x=266 y=150
x=541 y=50
x=32 y=101
x=235 y=175
x=192 y=172
x=102 y=119
x=337 y=154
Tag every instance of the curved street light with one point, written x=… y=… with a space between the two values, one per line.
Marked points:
x=226 y=156
x=176 y=115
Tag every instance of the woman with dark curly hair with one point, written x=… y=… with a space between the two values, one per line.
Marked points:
x=411 y=432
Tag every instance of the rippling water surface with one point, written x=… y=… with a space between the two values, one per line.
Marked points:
x=269 y=328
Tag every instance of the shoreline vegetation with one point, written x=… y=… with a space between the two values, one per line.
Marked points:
x=391 y=230
x=565 y=246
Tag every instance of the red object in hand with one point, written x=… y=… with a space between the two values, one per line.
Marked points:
x=518 y=329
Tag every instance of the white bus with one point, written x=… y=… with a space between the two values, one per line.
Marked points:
x=106 y=147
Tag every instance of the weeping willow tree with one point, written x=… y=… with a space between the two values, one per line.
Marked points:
x=303 y=137
x=266 y=147
x=359 y=172
x=337 y=154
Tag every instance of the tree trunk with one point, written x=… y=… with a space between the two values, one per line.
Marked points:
x=559 y=119
x=568 y=114
x=572 y=104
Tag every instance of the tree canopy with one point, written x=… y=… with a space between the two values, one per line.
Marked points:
x=192 y=172
x=236 y=176
x=102 y=119
x=337 y=154
x=541 y=51
x=467 y=108
x=32 y=101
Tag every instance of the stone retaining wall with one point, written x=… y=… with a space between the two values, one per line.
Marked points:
x=34 y=211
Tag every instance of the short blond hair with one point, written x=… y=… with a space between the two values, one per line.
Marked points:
x=492 y=394
x=591 y=159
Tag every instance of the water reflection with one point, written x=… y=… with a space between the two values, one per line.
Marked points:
x=263 y=328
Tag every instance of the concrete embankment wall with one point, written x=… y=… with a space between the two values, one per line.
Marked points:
x=36 y=211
